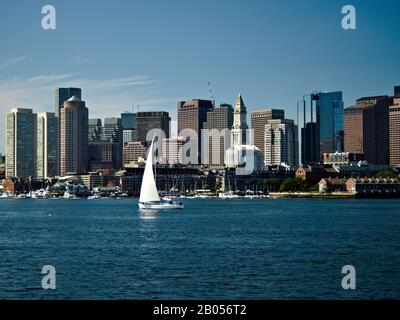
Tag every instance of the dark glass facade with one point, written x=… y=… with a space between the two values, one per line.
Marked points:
x=320 y=123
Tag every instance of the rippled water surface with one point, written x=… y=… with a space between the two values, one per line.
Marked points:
x=214 y=249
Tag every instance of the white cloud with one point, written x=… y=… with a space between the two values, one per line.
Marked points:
x=11 y=62
x=104 y=97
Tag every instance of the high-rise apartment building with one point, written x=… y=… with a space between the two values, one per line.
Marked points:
x=259 y=119
x=219 y=122
x=394 y=129
x=60 y=96
x=366 y=128
x=20 y=143
x=47 y=142
x=74 y=137
x=320 y=125
x=148 y=120
x=281 y=143
x=191 y=117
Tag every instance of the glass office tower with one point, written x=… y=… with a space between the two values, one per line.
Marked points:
x=320 y=123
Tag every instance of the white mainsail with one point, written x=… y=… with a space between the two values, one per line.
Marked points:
x=148 y=191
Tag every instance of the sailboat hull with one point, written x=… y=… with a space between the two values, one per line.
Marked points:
x=160 y=206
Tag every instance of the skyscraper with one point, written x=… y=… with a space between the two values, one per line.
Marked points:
x=60 y=96
x=74 y=136
x=21 y=143
x=219 y=119
x=239 y=128
x=47 y=141
x=128 y=120
x=63 y=94
x=320 y=125
x=366 y=128
x=281 y=143
x=394 y=128
x=259 y=119
x=191 y=116
x=148 y=120
x=95 y=130
x=113 y=134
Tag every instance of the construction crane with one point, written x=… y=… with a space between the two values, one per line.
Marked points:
x=211 y=94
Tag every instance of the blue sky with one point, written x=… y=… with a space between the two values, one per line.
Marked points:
x=154 y=53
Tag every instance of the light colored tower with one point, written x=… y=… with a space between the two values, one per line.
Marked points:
x=21 y=143
x=239 y=127
x=47 y=142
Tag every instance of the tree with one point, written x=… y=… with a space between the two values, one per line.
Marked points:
x=386 y=174
x=291 y=185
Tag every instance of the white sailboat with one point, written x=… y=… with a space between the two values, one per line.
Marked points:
x=149 y=197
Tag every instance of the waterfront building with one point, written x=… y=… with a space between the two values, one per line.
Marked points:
x=320 y=125
x=219 y=121
x=192 y=114
x=239 y=127
x=374 y=187
x=47 y=142
x=20 y=143
x=394 y=129
x=328 y=185
x=95 y=130
x=366 y=127
x=338 y=159
x=148 y=120
x=134 y=152
x=259 y=119
x=281 y=143
x=74 y=137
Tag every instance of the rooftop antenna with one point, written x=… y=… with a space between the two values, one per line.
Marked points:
x=211 y=94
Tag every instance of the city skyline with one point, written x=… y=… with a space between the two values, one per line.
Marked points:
x=148 y=63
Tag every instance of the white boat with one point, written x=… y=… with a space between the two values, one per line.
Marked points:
x=5 y=195
x=96 y=196
x=149 y=197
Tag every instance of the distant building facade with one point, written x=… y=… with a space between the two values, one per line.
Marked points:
x=367 y=128
x=95 y=130
x=173 y=149
x=60 y=96
x=394 y=129
x=259 y=119
x=133 y=152
x=320 y=125
x=74 y=137
x=281 y=143
x=218 y=120
x=47 y=142
x=20 y=143
x=192 y=114
x=148 y=120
